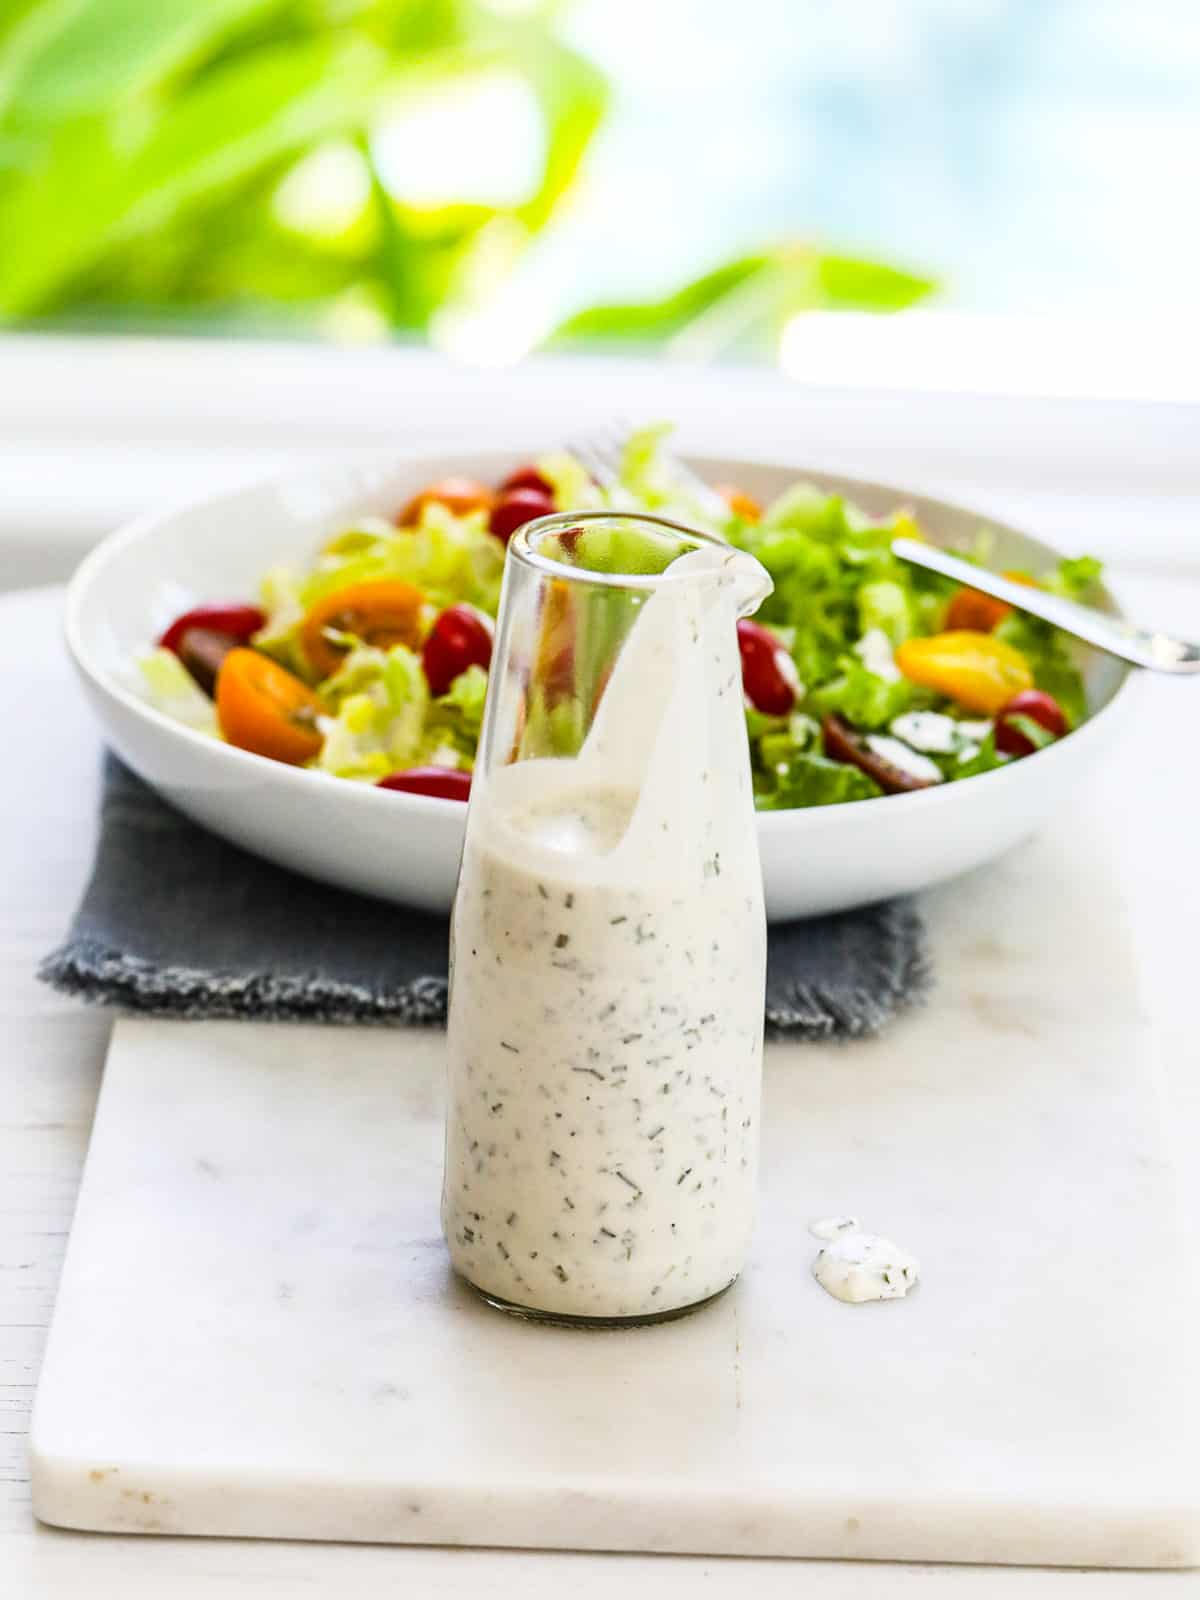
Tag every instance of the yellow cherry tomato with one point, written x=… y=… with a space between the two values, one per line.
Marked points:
x=977 y=670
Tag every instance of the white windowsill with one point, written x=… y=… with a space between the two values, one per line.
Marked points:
x=95 y=430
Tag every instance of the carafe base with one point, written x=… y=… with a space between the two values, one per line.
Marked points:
x=560 y=1319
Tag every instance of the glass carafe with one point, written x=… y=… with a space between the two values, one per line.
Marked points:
x=609 y=941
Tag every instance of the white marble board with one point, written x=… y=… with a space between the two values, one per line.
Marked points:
x=257 y=1332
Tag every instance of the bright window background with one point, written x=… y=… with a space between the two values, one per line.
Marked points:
x=1034 y=155
x=1038 y=158
x=480 y=171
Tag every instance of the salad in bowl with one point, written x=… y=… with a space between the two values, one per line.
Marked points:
x=863 y=676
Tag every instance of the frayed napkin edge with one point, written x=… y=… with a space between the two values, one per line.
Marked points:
x=904 y=978
x=100 y=975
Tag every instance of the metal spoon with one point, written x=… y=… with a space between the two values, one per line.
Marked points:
x=1143 y=646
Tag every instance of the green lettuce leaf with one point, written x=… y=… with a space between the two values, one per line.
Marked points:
x=808 y=779
x=836 y=578
x=1048 y=654
x=379 y=703
x=456 y=717
x=170 y=688
x=887 y=605
x=861 y=696
x=650 y=481
x=1074 y=577
x=782 y=738
x=806 y=509
x=570 y=481
x=986 y=759
x=626 y=547
x=1038 y=736
x=643 y=471
x=450 y=558
x=280 y=593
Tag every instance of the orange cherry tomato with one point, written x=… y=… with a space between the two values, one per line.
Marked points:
x=264 y=708
x=459 y=495
x=739 y=502
x=982 y=612
x=556 y=643
x=979 y=672
x=379 y=611
x=601 y=685
x=518 y=730
x=978 y=613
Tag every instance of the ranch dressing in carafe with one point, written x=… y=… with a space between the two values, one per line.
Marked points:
x=605 y=1028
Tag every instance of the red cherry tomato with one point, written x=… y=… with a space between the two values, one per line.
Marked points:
x=513 y=510
x=527 y=477
x=237 y=620
x=1039 y=707
x=460 y=638
x=442 y=783
x=768 y=673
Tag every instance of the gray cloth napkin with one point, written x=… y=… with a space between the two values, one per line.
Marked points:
x=175 y=922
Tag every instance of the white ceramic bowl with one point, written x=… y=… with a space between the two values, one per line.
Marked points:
x=406 y=847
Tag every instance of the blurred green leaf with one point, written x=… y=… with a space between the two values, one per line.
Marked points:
x=14 y=13
x=743 y=306
x=143 y=144
x=572 y=96
x=249 y=115
x=238 y=266
x=26 y=28
x=416 y=254
x=89 y=53
x=849 y=284
x=90 y=190
x=660 y=319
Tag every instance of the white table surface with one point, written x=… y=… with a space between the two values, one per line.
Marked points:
x=52 y=1052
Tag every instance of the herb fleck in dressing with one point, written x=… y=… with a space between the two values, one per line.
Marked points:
x=856 y=1266
x=605 y=1029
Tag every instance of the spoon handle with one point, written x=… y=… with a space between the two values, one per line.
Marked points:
x=1142 y=646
